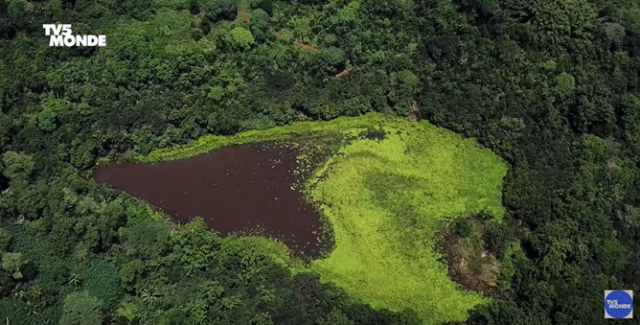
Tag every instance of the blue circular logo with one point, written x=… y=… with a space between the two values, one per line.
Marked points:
x=618 y=304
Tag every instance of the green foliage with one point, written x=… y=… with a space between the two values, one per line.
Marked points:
x=194 y=7
x=12 y=263
x=220 y=9
x=565 y=83
x=242 y=37
x=348 y=13
x=335 y=317
x=101 y=280
x=406 y=84
x=266 y=5
x=17 y=165
x=260 y=123
x=356 y=106
x=145 y=238
x=19 y=313
x=138 y=9
x=195 y=245
x=259 y=24
x=47 y=120
x=464 y=228
x=216 y=93
x=208 y=143
x=380 y=258
x=130 y=272
x=262 y=319
x=5 y=237
x=81 y=309
x=613 y=34
x=549 y=85
x=552 y=22
x=17 y=10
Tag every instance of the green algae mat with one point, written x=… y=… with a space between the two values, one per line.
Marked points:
x=390 y=185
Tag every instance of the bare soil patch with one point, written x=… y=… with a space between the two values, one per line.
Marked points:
x=469 y=264
x=306 y=46
x=244 y=16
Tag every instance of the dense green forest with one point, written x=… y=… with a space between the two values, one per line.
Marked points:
x=549 y=85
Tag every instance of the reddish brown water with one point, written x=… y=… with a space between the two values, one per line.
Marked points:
x=234 y=189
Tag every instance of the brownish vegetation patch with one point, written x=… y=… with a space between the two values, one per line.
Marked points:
x=344 y=72
x=244 y=16
x=306 y=46
x=469 y=264
x=415 y=112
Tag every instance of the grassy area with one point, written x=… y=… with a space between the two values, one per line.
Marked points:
x=385 y=193
x=385 y=199
x=346 y=126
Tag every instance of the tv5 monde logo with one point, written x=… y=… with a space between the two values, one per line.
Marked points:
x=618 y=304
x=62 y=36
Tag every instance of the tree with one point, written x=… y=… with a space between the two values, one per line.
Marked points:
x=405 y=84
x=194 y=7
x=266 y=5
x=5 y=126
x=17 y=165
x=5 y=237
x=259 y=24
x=47 y=120
x=17 y=11
x=553 y=22
x=81 y=308
x=126 y=313
x=612 y=35
x=130 y=273
x=7 y=283
x=565 y=83
x=150 y=296
x=145 y=238
x=335 y=317
x=12 y=263
x=217 y=10
x=205 y=25
x=74 y=279
x=241 y=37
x=138 y=9
x=349 y=13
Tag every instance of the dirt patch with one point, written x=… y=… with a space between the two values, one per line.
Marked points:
x=244 y=16
x=415 y=112
x=306 y=46
x=241 y=189
x=343 y=73
x=303 y=45
x=469 y=264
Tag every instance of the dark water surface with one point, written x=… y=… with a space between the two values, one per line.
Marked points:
x=234 y=189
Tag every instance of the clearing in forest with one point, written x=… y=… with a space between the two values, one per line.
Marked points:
x=386 y=197
x=386 y=188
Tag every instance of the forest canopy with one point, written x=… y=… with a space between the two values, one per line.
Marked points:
x=551 y=86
